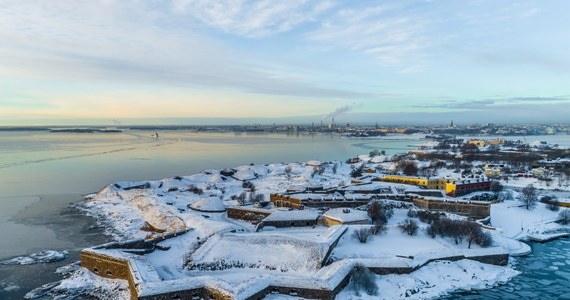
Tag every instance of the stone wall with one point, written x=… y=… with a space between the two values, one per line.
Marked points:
x=246 y=214
x=290 y=223
x=293 y=291
x=326 y=221
x=109 y=267
x=473 y=210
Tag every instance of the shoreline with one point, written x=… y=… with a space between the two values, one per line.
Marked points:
x=67 y=222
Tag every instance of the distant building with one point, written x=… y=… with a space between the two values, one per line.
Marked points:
x=460 y=188
x=291 y=218
x=452 y=187
x=478 y=143
x=426 y=182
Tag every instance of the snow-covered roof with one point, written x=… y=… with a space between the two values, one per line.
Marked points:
x=286 y=215
x=366 y=187
x=346 y=215
x=210 y=204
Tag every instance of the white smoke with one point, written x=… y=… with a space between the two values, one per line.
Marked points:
x=339 y=111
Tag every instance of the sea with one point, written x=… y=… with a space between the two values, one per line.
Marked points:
x=42 y=174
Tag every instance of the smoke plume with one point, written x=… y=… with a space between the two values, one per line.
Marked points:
x=339 y=111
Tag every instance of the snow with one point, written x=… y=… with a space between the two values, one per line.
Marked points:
x=210 y=204
x=517 y=222
x=272 y=252
x=44 y=256
x=346 y=215
x=81 y=285
x=287 y=215
x=435 y=280
x=229 y=256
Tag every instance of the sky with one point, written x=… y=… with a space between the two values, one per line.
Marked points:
x=98 y=62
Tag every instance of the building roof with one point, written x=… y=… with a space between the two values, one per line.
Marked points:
x=292 y=215
x=346 y=215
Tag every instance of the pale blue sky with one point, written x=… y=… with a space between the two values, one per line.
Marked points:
x=92 y=61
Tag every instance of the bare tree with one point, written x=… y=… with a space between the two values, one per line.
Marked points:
x=363 y=279
x=496 y=187
x=458 y=230
x=357 y=172
x=362 y=234
x=379 y=213
x=408 y=167
x=408 y=226
x=242 y=198
x=471 y=231
x=378 y=228
x=529 y=197
x=288 y=170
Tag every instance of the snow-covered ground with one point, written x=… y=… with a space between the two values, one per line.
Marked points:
x=127 y=209
x=436 y=279
x=515 y=221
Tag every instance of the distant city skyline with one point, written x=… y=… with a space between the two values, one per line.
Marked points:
x=236 y=62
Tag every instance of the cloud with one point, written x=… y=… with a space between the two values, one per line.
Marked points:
x=253 y=18
x=384 y=32
x=138 y=42
x=521 y=57
x=495 y=103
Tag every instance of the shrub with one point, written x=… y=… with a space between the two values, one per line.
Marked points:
x=412 y=213
x=484 y=240
x=553 y=205
x=408 y=226
x=357 y=172
x=362 y=234
x=379 y=212
x=408 y=167
x=496 y=187
x=241 y=199
x=248 y=185
x=363 y=279
x=459 y=230
x=427 y=216
x=375 y=152
x=378 y=228
x=256 y=198
x=288 y=170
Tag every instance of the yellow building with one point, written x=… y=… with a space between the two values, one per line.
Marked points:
x=478 y=143
x=495 y=142
x=428 y=183
x=460 y=188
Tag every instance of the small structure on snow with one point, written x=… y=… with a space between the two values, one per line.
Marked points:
x=210 y=204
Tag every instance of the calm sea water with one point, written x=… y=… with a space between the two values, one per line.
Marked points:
x=42 y=172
